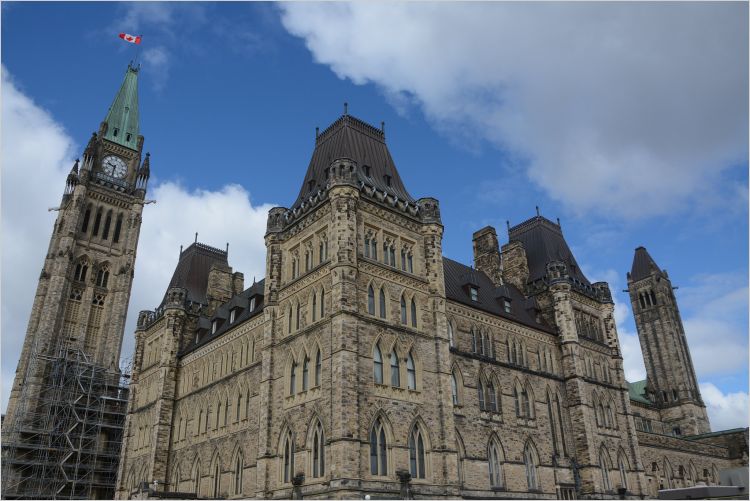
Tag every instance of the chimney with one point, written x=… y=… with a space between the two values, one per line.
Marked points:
x=487 y=254
x=515 y=265
x=220 y=285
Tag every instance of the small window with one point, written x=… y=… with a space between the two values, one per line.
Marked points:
x=506 y=305
x=127 y=136
x=114 y=133
x=214 y=326
x=387 y=179
x=252 y=304
x=232 y=315
x=474 y=294
x=367 y=170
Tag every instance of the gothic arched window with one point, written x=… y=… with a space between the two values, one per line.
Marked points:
x=86 y=217
x=403 y=310
x=322 y=302
x=97 y=222
x=382 y=303
x=377 y=363
x=378 y=449
x=318 y=452
x=529 y=459
x=217 y=479
x=413 y=313
x=318 y=367
x=621 y=464
x=454 y=388
x=411 y=372
x=451 y=342
x=314 y=306
x=604 y=467
x=288 y=458
x=118 y=228
x=416 y=453
x=107 y=223
x=395 y=370
x=370 y=300
x=197 y=477
x=305 y=373
x=495 y=465
x=491 y=397
x=238 y=467
x=293 y=378
x=480 y=394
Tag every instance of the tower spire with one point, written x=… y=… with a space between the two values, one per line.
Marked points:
x=122 y=117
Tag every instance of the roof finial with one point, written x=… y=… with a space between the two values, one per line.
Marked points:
x=317 y=132
x=558 y=222
x=227 y=249
x=346 y=108
x=382 y=126
x=537 y=211
x=507 y=225
x=180 y=250
x=196 y=237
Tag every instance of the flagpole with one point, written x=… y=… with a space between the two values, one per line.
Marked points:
x=138 y=50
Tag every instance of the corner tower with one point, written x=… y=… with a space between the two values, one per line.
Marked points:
x=77 y=320
x=671 y=384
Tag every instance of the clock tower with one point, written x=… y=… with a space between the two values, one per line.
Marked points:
x=78 y=314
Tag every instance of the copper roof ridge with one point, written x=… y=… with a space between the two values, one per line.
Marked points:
x=353 y=122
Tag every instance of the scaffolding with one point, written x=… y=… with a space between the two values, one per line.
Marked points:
x=64 y=441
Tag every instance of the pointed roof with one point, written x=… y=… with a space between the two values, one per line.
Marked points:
x=350 y=137
x=192 y=269
x=543 y=242
x=122 y=117
x=643 y=264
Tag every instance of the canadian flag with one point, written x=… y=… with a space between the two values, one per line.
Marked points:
x=130 y=38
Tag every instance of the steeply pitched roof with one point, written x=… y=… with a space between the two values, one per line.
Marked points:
x=459 y=276
x=350 y=137
x=543 y=242
x=643 y=264
x=122 y=117
x=637 y=392
x=192 y=270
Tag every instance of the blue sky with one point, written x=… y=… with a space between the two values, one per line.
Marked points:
x=621 y=120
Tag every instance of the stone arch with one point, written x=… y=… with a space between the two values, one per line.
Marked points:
x=667 y=474
x=495 y=461
x=315 y=443
x=461 y=453
x=459 y=380
x=237 y=467
x=605 y=466
x=291 y=386
x=531 y=463
x=623 y=465
x=196 y=474
x=420 y=464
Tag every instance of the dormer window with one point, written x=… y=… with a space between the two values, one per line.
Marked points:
x=214 y=326
x=387 y=180
x=506 y=305
x=367 y=170
x=114 y=133
x=127 y=136
x=474 y=293
x=232 y=314
x=252 y=304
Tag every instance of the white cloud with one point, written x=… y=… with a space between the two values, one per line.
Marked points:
x=628 y=109
x=725 y=410
x=37 y=154
x=157 y=61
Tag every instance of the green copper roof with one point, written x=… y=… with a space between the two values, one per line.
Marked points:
x=637 y=392
x=122 y=117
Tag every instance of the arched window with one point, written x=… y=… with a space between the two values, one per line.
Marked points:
x=622 y=465
x=293 y=378
x=86 y=217
x=322 y=302
x=175 y=479
x=604 y=467
x=238 y=467
x=382 y=303
x=378 y=448
x=318 y=367
x=377 y=362
x=411 y=372
x=217 y=479
x=102 y=277
x=80 y=273
x=473 y=340
x=239 y=406
x=288 y=458
x=482 y=347
x=305 y=373
x=480 y=393
x=454 y=388
x=97 y=222
x=403 y=310
x=318 y=452
x=395 y=370
x=413 y=313
x=107 y=223
x=118 y=228
x=491 y=397
x=451 y=343
x=529 y=460
x=370 y=300
x=314 y=306
x=296 y=322
x=416 y=453
x=496 y=469
x=289 y=320
x=197 y=477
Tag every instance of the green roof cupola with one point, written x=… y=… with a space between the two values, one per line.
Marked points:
x=122 y=117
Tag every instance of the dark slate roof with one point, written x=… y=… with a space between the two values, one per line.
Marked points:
x=458 y=277
x=643 y=263
x=350 y=137
x=192 y=270
x=637 y=392
x=241 y=301
x=543 y=242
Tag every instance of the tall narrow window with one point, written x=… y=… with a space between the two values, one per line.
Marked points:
x=367 y=245
x=374 y=249
x=378 y=449
x=296 y=321
x=403 y=310
x=483 y=342
x=410 y=263
x=370 y=300
x=411 y=372
x=289 y=320
x=377 y=362
x=238 y=474
x=392 y=251
x=491 y=397
x=217 y=480
x=529 y=460
x=382 y=303
x=305 y=373
x=413 y=313
x=197 y=478
x=416 y=453
x=395 y=370
x=293 y=379
x=86 y=217
x=322 y=302
x=314 y=306
x=288 y=458
x=623 y=472
x=97 y=222
x=118 y=228
x=107 y=223
x=496 y=472
x=403 y=259
x=473 y=340
x=454 y=388
x=604 y=467
x=480 y=394
x=318 y=367
x=451 y=343
x=318 y=459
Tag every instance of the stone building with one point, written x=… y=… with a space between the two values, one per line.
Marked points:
x=367 y=363
x=66 y=411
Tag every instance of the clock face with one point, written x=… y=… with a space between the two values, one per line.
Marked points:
x=114 y=166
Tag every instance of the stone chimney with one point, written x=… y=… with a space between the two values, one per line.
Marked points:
x=238 y=283
x=220 y=282
x=487 y=254
x=515 y=265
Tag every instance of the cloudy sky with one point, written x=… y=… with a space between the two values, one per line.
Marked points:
x=629 y=121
